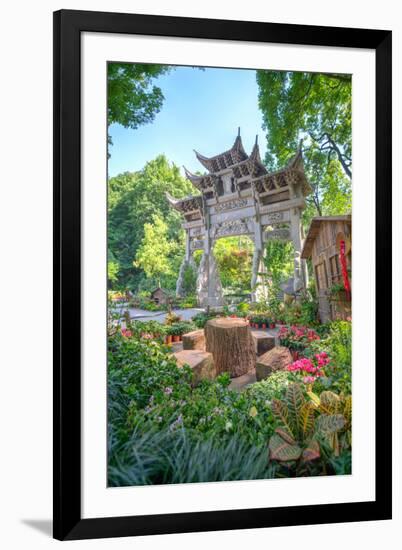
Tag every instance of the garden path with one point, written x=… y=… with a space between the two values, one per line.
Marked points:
x=143 y=315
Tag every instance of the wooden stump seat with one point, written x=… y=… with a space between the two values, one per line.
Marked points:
x=200 y=362
x=194 y=340
x=231 y=344
x=263 y=341
x=278 y=358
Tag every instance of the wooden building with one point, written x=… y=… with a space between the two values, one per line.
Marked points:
x=329 y=245
x=160 y=296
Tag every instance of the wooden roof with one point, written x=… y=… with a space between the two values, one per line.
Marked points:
x=314 y=229
x=232 y=156
x=187 y=204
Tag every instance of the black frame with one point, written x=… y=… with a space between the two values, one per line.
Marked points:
x=68 y=26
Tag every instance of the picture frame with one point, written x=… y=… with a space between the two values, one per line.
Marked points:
x=68 y=28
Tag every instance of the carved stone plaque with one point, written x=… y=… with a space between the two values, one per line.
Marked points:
x=231 y=227
x=275 y=217
x=230 y=205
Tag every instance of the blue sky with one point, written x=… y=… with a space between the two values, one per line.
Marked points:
x=202 y=110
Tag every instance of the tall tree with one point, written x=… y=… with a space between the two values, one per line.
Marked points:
x=133 y=199
x=316 y=108
x=133 y=98
x=153 y=253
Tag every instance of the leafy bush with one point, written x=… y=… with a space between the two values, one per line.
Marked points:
x=272 y=387
x=188 y=302
x=149 y=394
x=182 y=327
x=200 y=320
x=297 y=337
x=162 y=429
x=309 y=432
x=338 y=344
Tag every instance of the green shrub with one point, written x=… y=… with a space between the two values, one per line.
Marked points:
x=200 y=319
x=338 y=344
x=273 y=387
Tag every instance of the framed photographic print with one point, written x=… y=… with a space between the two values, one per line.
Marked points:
x=209 y=334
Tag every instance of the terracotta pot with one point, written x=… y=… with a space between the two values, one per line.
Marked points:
x=168 y=339
x=264 y=325
x=176 y=338
x=272 y=325
x=295 y=354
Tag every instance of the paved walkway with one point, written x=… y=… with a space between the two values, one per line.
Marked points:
x=144 y=315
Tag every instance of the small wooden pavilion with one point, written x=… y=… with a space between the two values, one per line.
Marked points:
x=329 y=245
x=160 y=296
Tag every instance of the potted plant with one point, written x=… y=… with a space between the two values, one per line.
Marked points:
x=175 y=331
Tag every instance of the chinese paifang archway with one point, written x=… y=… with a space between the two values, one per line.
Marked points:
x=240 y=197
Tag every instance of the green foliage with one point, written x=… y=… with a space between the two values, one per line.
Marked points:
x=133 y=99
x=190 y=301
x=154 y=253
x=234 y=256
x=310 y=431
x=279 y=261
x=200 y=319
x=161 y=456
x=189 y=281
x=338 y=344
x=315 y=107
x=112 y=271
x=148 y=394
x=133 y=200
x=273 y=387
x=179 y=328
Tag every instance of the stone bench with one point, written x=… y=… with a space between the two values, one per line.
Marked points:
x=278 y=358
x=194 y=340
x=263 y=341
x=200 y=362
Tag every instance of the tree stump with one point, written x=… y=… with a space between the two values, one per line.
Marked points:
x=194 y=340
x=231 y=344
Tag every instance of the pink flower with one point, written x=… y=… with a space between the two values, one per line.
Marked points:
x=309 y=379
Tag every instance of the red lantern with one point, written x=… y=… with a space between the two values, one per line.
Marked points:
x=345 y=276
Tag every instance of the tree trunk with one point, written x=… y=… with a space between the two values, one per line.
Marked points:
x=231 y=344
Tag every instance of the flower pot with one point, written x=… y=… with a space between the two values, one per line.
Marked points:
x=168 y=339
x=272 y=325
x=264 y=326
x=175 y=338
x=295 y=354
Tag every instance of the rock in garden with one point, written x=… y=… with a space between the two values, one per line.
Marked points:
x=263 y=342
x=278 y=358
x=194 y=340
x=200 y=362
x=230 y=342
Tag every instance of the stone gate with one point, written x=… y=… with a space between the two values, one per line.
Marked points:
x=238 y=196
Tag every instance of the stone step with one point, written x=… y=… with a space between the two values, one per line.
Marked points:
x=200 y=362
x=263 y=341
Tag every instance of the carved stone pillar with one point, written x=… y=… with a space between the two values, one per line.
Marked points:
x=188 y=262
x=258 y=284
x=209 y=287
x=295 y=227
